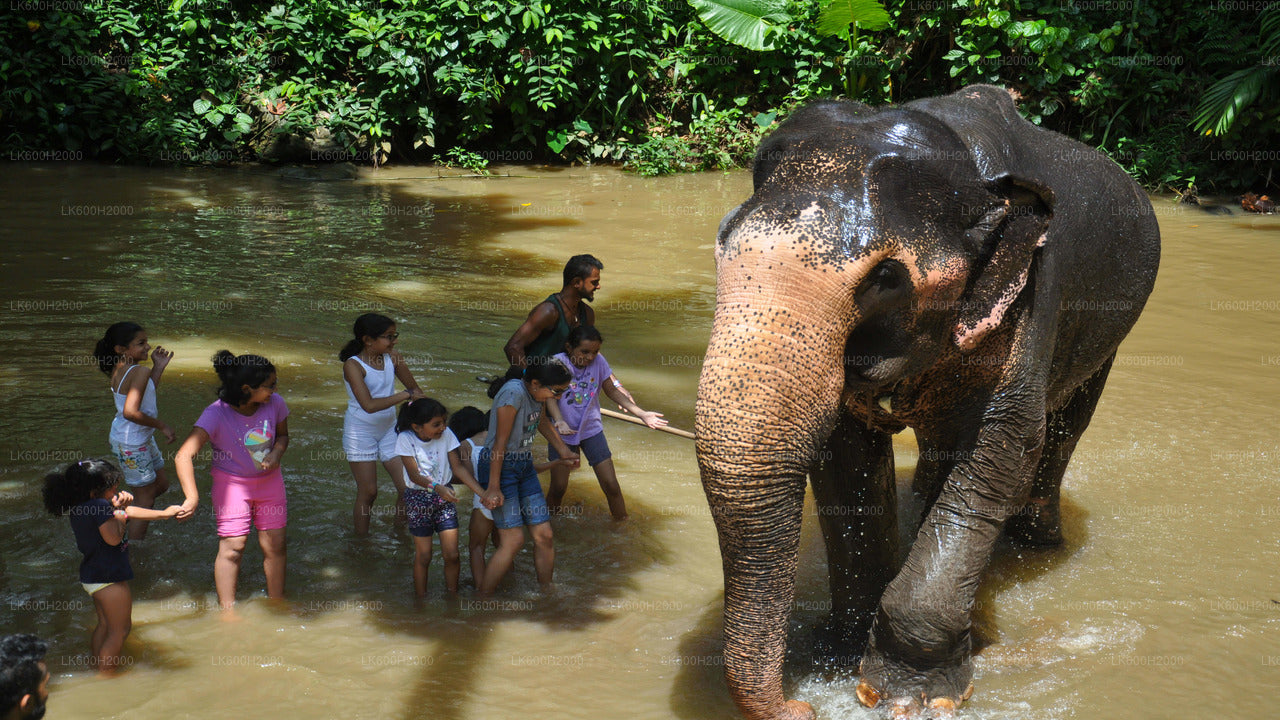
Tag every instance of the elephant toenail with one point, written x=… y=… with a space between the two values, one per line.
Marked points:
x=868 y=695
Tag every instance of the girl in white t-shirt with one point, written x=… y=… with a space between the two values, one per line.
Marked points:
x=429 y=451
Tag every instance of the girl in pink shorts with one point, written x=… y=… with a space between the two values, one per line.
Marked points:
x=249 y=431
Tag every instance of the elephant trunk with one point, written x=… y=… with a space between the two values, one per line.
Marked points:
x=767 y=399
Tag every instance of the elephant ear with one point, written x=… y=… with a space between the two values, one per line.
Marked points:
x=1006 y=239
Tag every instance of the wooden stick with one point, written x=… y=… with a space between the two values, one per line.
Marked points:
x=638 y=421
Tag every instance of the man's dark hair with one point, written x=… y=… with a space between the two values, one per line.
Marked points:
x=579 y=268
x=20 y=672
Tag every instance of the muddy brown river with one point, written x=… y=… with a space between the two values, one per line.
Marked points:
x=1163 y=603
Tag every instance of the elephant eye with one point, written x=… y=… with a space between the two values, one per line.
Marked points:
x=888 y=275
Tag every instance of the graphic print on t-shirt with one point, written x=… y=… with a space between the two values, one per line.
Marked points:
x=530 y=428
x=258 y=441
x=584 y=391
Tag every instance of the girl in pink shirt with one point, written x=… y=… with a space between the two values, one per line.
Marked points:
x=249 y=431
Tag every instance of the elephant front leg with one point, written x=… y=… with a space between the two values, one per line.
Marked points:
x=854 y=489
x=919 y=651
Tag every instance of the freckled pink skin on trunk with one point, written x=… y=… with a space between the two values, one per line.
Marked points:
x=767 y=398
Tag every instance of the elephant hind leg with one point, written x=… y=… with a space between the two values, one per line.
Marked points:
x=1039 y=521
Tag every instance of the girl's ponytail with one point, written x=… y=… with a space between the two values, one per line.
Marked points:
x=234 y=372
x=419 y=412
x=369 y=324
x=79 y=482
x=121 y=333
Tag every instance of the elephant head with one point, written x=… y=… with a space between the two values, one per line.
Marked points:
x=876 y=243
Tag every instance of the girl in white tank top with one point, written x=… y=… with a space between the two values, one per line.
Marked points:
x=119 y=352
x=370 y=367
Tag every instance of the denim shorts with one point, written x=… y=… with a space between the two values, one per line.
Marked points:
x=523 y=502
x=594 y=448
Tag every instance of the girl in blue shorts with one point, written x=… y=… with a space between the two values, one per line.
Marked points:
x=582 y=427
x=506 y=471
x=429 y=451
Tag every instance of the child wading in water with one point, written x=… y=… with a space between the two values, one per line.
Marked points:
x=471 y=427
x=249 y=431
x=89 y=492
x=429 y=451
x=582 y=428
x=506 y=469
x=370 y=368
x=119 y=353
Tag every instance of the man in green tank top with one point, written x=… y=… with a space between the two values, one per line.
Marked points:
x=545 y=330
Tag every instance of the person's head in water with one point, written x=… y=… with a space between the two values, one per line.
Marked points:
x=245 y=378
x=121 y=340
x=583 y=345
x=582 y=273
x=374 y=335
x=425 y=417
x=467 y=422
x=24 y=677
x=546 y=380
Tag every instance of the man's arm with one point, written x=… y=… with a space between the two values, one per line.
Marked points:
x=543 y=316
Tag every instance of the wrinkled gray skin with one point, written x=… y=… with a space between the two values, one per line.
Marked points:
x=942 y=265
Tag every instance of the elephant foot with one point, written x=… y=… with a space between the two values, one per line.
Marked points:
x=1038 y=523
x=790 y=710
x=910 y=692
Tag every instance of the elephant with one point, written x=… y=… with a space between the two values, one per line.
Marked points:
x=942 y=265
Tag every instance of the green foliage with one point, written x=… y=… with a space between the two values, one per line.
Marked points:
x=639 y=81
x=1231 y=96
x=749 y=23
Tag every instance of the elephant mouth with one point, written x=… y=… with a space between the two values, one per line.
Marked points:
x=867 y=375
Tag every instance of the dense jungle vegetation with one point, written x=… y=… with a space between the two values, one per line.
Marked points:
x=643 y=82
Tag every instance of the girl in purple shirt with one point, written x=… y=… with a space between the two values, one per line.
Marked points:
x=582 y=429
x=249 y=431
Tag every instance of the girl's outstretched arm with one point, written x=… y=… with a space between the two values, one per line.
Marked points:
x=549 y=432
x=506 y=422
x=140 y=513
x=184 y=465
x=652 y=419
x=463 y=473
x=405 y=376
x=354 y=375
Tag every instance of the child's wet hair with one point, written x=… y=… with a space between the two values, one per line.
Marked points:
x=578 y=335
x=545 y=369
x=419 y=412
x=236 y=371
x=467 y=422
x=368 y=324
x=79 y=482
x=121 y=333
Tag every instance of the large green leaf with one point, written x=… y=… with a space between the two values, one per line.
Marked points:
x=748 y=23
x=1225 y=99
x=837 y=15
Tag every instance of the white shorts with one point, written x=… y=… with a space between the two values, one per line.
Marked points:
x=363 y=442
x=477 y=505
x=139 y=462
